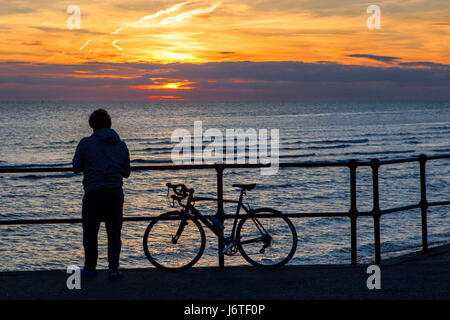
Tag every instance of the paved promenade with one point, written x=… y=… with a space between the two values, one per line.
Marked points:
x=415 y=276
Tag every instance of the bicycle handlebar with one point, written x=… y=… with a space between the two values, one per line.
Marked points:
x=184 y=190
x=181 y=192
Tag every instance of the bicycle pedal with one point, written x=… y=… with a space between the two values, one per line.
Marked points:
x=227 y=247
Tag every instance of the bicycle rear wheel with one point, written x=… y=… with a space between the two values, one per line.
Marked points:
x=160 y=248
x=267 y=242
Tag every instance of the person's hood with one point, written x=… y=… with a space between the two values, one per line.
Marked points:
x=107 y=135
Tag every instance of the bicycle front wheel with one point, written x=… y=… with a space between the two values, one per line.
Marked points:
x=268 y=241
x=174 y=255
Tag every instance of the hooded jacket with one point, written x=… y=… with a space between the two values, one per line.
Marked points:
x=103 y=158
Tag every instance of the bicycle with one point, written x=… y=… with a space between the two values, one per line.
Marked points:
x=176 y=240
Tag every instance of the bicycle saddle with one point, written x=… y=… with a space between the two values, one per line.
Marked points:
x=245 y=186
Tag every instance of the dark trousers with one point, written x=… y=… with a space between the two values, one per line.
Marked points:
x=102 y=205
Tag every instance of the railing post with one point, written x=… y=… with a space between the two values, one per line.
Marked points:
x=423 y=201
x=376 y=213
x=353 y=213
x=220 y=212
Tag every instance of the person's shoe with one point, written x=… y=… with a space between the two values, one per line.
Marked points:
x=87 y=273
x=115 y=275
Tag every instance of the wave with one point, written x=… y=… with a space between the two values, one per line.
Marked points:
x=150 y=161
x=398 y=134
x=50 y=145
x=62 y=142
x=273 y=186
x=235 y=149
x=161 y=161
x=150 y=140
x=153 y=142
x=328 y=141
x=43 y=176
x=42 y=165
x=439 y=128
x=340 y=146
x=297 y=155
x=336 y=141
x=155 y=151
x=155 y=148
x=412 y=141
x=378 y=152
x=441 y=150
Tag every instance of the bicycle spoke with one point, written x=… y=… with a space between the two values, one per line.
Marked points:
x=163 y=252
x=259 y=226
x=267 y=242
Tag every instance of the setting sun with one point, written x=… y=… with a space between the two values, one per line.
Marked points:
x=172 y=86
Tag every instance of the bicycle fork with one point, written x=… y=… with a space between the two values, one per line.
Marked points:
x=179 y=231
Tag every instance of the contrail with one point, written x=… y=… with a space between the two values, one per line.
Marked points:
x=189 y=14
x=115 y=45
x=48 y=59
x=166 y=21
x=84 y=45
x=155 y=15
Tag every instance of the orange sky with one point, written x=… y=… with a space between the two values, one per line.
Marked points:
x=227 y=30
x=181 y=50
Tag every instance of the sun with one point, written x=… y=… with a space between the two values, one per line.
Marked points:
x=171 y=85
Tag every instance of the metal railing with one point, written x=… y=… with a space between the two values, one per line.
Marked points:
x=352 y=213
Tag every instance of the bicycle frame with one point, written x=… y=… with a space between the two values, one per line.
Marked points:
x=189 y=208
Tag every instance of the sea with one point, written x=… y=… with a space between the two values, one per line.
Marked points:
x=45 y=134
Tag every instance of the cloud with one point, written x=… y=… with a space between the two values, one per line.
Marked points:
x=32 y=43
x=374 y=57
x=247 y=81
x=13 y=8
x=425 y=64
x=61 y=30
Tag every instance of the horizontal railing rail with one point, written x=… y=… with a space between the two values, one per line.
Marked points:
x=353 y=213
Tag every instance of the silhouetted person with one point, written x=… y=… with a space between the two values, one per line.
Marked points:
x=104 y=160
